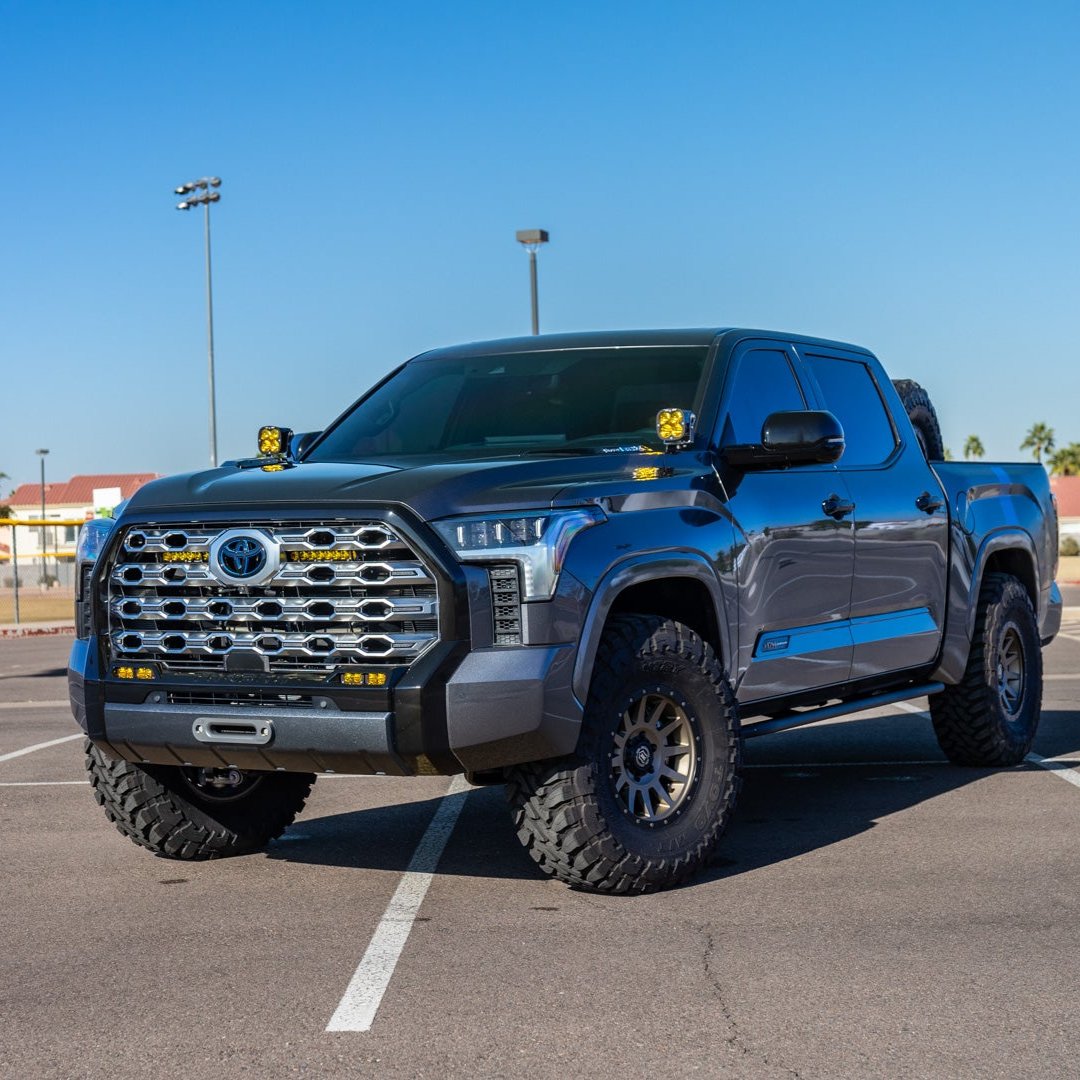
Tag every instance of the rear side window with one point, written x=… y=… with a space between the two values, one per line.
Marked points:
x=852 y=396
x=764 y=383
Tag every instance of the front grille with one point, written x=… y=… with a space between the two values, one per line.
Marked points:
x=331 y=595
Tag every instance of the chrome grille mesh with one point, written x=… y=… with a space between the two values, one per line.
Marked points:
x=339 y=594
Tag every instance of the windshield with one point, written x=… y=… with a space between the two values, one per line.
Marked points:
x=534 y=402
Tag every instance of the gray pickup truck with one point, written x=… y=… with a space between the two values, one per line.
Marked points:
x=586 y=566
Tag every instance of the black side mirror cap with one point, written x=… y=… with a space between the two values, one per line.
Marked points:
x=302 y=443
x=792 y=438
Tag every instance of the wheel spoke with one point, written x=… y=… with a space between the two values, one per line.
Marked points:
x=655 y=715
x=662 y=795
x=671 y=774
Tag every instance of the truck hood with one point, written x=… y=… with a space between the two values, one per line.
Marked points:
x=431 y=489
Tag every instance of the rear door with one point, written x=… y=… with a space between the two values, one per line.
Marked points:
x=900 y=519
x=794 y=561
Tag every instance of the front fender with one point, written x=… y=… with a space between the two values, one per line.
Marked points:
x=644 y=568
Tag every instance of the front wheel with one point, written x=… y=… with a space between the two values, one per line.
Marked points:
x=191 y=813
x=990 y=717
x=645 y=801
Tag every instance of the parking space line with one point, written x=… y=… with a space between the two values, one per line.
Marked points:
x=843 y=764
x=44 y=783
x=35 y=704
x=1058 y=768
x=364 y=994
x=40 y=746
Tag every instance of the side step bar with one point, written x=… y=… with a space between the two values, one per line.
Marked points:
x=794 y=718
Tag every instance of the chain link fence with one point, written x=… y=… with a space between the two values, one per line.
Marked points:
x=37 y=569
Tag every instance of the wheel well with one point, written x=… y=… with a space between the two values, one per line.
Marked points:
x=1018 y=563
x=683 y=599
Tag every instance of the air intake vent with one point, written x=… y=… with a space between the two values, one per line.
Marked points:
x=505 y=604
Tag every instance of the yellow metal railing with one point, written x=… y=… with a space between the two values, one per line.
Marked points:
x=48 y=594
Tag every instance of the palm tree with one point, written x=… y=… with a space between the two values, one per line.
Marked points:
x=973 y=447
x=1066 y=461
x=1040 y=437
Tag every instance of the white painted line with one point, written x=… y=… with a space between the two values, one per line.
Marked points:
x=913 y=709
x=36 y=704
x=40 y=746
x=45 y=783
x=843 y=764
x=364 y=994
x=1052 y=678
x=1058 y=768
x=1068 y=637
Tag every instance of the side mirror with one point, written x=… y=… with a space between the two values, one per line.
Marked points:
x=302 y=443
x=792 y=438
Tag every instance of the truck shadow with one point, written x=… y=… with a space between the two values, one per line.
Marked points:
x=785 y=811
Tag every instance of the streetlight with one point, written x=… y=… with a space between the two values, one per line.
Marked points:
x=41 y=454
x=531 y=239
x=191 y=200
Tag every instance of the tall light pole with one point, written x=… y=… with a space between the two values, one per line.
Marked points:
x=41 y=454
x=191 y=189
x=531 y=239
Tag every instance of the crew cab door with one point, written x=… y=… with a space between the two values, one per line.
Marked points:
x=793 y=560
x=900 y=518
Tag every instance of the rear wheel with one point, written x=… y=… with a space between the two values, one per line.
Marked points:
x=190 y=813
x=646 y=799
x=923 y=417
x=990 y=717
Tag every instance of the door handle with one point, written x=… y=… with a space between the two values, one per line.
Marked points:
x=928 y=503
x=837 y=507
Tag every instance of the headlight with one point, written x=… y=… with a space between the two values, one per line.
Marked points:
x=537 y=542
x=92 y=538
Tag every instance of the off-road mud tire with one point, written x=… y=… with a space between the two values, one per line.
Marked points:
x=971 y=720
x=158 y=809
x=567 y=813
x=923 y=417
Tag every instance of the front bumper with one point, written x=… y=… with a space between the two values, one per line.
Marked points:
x=455 y=711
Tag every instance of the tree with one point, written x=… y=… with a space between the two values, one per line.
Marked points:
x=1066 y=461
x=5 y=510
x=947 y=454
x=1039 y=438
x=973 y=447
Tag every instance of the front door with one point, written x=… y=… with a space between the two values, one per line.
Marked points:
x=794 y=560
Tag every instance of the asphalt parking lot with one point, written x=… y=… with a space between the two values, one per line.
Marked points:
x=872 y=912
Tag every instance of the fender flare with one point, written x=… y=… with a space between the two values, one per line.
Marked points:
x=643 y=568
x=1008 y=538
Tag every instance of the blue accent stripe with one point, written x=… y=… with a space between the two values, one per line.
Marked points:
x=844 y=633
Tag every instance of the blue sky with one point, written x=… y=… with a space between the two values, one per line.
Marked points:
x=899 y=175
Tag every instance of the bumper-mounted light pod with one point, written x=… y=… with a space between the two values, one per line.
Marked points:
x=675 y=427
x=538 y=542
x=364 y=678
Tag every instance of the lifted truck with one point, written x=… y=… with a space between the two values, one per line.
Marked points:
x=584 y=565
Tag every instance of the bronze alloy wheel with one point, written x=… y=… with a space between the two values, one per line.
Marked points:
x=1009 y=672
x=654 y=760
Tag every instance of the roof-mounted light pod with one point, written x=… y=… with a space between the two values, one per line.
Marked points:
x=675 y=428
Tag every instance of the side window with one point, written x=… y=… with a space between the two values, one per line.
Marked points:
x=852 y=396
x=764 y=383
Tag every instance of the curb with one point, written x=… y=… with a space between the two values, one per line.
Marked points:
x=35 y=630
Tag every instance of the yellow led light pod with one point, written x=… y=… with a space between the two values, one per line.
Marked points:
x=124 y=672
x=274 y=440
x=353 y=678
x=675 y=427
